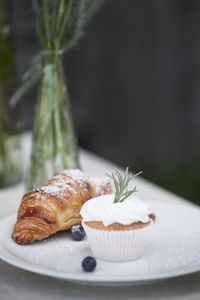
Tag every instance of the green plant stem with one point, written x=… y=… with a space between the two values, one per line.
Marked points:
x=65 y=23
x=58 y=103
x=46 y=22
x=42 y=122
x=54 y=18
x=60 y=15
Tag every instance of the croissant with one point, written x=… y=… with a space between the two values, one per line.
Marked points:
x=56 y=205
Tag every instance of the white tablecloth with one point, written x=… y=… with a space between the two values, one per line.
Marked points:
x=18 y=284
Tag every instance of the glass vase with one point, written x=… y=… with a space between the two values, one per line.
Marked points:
x=53 y=143
x=10 y=132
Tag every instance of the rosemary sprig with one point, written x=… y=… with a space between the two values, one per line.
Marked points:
x=121 y=181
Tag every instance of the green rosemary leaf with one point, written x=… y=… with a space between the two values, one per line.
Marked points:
x=121 y=182
x=128 y=194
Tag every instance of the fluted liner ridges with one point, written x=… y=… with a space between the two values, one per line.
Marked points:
x=118 y=246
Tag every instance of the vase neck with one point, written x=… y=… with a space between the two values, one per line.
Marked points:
x=51 y=57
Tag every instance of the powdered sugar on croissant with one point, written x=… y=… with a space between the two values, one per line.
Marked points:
x=56 y=205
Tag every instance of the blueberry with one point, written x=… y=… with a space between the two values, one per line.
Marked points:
x=77 y=232
x=89 y=264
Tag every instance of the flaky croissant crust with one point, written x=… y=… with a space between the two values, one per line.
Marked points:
x=56 y=205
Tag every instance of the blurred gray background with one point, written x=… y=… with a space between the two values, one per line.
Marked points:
x=134 y=83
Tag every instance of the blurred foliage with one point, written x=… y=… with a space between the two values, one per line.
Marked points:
x=6 y=54
x=10 y=166
x=7 y=67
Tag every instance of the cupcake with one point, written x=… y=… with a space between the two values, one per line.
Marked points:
x=118 y=226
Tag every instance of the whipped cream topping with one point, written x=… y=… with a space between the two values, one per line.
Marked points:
x=102 y=209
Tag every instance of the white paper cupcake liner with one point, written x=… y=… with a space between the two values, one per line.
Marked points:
x=117 y=246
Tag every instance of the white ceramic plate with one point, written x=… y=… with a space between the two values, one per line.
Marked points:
x=174 y=251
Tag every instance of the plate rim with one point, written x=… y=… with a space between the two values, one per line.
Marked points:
x=85 y=278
